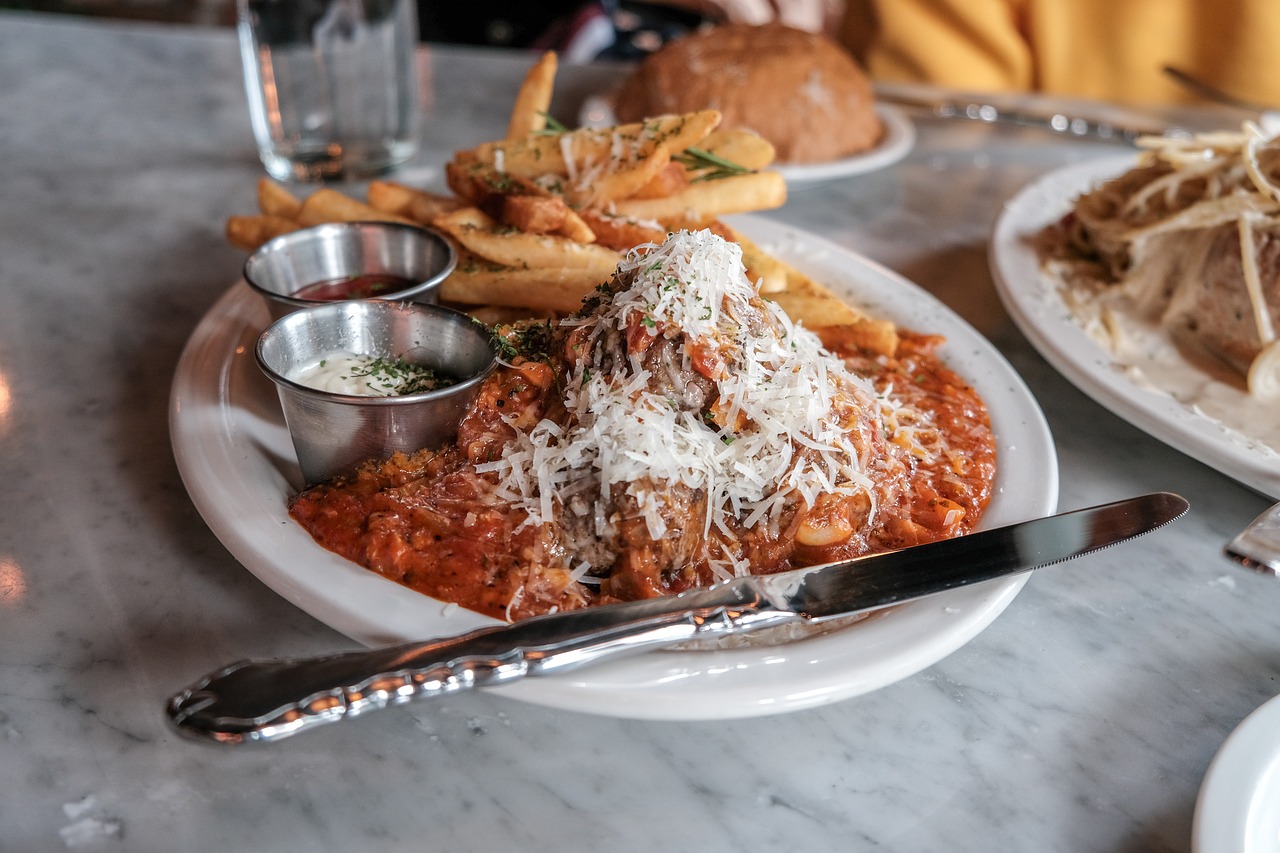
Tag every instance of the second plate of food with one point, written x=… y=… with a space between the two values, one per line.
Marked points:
x=237 y=462
x=1189 y=403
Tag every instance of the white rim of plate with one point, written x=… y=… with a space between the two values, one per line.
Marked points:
x=898 y=140
x=235 y=458
x=1238 y=808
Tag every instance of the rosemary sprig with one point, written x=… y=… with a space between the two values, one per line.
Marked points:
x=706 y=165
x=709 y=166
x=553 y=125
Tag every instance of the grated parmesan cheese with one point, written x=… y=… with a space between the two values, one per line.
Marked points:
x=791 y=410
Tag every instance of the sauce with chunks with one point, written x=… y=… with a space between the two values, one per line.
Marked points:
x=430 y=522
x=676 y=432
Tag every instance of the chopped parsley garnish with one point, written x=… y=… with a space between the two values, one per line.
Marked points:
x=399 y=376
x=529 y=340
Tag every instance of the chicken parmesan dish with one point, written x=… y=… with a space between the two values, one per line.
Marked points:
x=678 y=430
x=1188 y=240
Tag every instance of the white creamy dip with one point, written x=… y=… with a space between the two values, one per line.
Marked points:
x=344 y=372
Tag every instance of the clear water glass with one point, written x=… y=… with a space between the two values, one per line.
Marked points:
x=332 y=85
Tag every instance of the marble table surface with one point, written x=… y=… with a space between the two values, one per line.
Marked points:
x=1083 y=719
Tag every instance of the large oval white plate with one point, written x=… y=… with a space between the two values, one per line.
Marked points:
x=1036 y=306
x=238 y=464
x=898 y=140
x=1238 y=810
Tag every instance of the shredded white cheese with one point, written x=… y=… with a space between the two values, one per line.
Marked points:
x=782 y=402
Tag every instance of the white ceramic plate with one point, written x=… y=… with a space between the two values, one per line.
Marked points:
x=898 y=140
x=1238 y=810
x=238 y=464
x=1036 y=306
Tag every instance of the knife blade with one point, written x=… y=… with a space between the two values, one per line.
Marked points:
x=1056 y=122
x=263 y=701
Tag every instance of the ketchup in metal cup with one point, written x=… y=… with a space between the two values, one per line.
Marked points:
x=367 y=286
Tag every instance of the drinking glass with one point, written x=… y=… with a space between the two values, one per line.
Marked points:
x=332 y=85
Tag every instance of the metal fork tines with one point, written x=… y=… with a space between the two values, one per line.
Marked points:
x=1258 y=545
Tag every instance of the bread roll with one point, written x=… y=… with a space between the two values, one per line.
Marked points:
x=799 y=90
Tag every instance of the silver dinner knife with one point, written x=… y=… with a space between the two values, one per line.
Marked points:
x=270 y=700
x=1056 y=122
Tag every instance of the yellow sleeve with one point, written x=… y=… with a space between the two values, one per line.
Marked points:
x=1110 y=49
x=968 y=44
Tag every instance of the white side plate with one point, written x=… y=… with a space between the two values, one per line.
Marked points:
x=238 y=464
x=898 y=140
x=1238 y=810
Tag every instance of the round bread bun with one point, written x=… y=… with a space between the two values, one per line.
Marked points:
x=799 y=90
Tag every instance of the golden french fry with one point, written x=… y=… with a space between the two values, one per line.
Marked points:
x=610 y=147
x=838 y=324
x=576 y=228
x=767 y=272
x=476 y=281
x=492 y=315
x=250 y=232
x=484 y=236
x=537 y=214
x=740 y=147
x=805 y=301
x=623 y=182
x=275 y=200
x=545 y=214
x=702 y=202
x=484 y=185
x=672 y=179
x=492 y=190
x=534 y=99
x=389 y=197
x=619 y=232
x=427 y=206
x=327 y=205
x=419 y=205
x=876 y=336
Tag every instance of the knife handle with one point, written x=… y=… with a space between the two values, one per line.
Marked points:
x=271 y=700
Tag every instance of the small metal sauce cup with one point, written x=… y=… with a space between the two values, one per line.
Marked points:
x=333 y=433
x=281 y=267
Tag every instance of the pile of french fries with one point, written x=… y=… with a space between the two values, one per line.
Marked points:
x=541 y=217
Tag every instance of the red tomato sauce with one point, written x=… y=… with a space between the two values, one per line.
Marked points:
x=432 y=523
x=366 y=286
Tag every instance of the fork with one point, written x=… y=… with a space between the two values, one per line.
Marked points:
x=1207 y=90
x=1258 y=545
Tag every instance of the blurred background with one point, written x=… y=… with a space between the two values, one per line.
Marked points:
x=609 y=29
x=207 y=12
